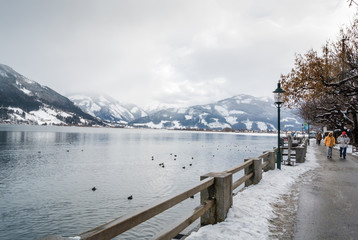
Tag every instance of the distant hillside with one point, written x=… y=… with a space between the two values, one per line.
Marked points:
x=107 y=108
x=25 y=101
x=238 y=112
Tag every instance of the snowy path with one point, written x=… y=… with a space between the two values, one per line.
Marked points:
x=266 y=210
x=327 y=207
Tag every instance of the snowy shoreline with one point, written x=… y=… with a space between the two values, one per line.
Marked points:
x=253 y=212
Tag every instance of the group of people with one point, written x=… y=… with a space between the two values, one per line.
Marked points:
x=343 y=141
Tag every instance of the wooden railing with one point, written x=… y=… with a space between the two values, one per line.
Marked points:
x=294 y=152
x=216 y=192
x=126 y=222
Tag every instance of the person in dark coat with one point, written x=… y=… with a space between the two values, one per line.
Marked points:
x=318 y=138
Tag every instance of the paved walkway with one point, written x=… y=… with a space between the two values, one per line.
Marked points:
x=328 y=205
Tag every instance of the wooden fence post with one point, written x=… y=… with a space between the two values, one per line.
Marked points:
x=256 y=168
x=221 y=191
x=248 y=170
x=289 y=147
x=300 y=154
x=272 y=160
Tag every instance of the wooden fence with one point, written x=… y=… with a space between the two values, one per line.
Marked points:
x=216 y=196
x=294 y=151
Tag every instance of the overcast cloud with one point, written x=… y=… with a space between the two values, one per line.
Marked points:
x=169 y=51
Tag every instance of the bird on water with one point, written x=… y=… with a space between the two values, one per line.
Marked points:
x=94 y=189
x=130 y=197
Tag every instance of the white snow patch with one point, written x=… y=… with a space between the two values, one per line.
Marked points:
x=191 y=111
x=93 y=107
x=261 y=125
x=231 y=120
x=248 y=124
x=217 y=124
x=176 y=125
x=16 y=109
x=249 y=217
x=103 y=101
x=207 y=107
x=27 y=92
x=134 y=110
x=188 y=117
x=236 y=112
x=45 y=116
x=143 y=114
x=223 y=111
x=202 y=118
x=64 y=114
x=290 y=119
x=272 y=126
x=248 y=101
x=3 y=73
x=152 y=125
x=28 y=80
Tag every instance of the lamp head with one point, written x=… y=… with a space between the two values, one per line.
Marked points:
x=278 y=94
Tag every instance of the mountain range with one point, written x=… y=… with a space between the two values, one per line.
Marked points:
x=25 y=101
x=239 y=112
x=108 y=109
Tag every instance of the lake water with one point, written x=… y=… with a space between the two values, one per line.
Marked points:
x=47 y=173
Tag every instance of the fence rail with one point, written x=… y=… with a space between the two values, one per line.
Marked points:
x=126 y=222
x=216 y=191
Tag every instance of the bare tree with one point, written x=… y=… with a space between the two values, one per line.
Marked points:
x=324 y=86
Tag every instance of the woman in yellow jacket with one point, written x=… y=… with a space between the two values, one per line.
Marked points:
x=329 y=141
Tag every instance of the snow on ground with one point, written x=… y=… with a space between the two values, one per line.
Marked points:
x=349 y=149
x=27 y=92
x=248 y=123
x=236 y=112
x=262 y=126
x=232 y=120
x=223 y=111
x=252 y=210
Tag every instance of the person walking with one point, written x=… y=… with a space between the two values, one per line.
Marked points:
x=318 y=138
x=329 y=141
x=343 y=141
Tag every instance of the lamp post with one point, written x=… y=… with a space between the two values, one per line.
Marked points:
x=308 y=130
x=278 y=95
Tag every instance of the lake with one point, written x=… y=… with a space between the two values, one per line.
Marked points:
x=47 y=173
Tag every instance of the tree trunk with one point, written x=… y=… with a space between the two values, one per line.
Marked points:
x=355 y=127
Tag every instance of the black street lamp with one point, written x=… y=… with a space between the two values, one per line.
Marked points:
x=308 y=130
x=278 y=95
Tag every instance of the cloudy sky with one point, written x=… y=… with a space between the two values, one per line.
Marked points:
x=170 y=51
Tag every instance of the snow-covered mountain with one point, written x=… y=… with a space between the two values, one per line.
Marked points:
x=25 y=101
x=107 y=108
x=238 y=112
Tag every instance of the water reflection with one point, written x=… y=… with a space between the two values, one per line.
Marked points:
x=47 y=173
